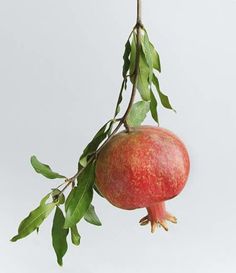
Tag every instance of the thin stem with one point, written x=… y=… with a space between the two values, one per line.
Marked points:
x=124 y=82
x=136 y=69
x=139 y=12
x=61 y=184
x=122 y=121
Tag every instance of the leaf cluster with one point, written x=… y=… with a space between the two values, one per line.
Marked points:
x=76 y=206
x=149 y=66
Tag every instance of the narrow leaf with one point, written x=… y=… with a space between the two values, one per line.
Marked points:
x=148 y=54
x=82 y=197
x=33 y=221
x=119 y=99
x=164 y=99
x=45 y=199
x=93 y=145
x=144 y=71
x=75 y=236
x=126 y=58
x=133 y=55
x=70 y=198
x=91 y=216
x=138 y=113
x=153 y=107
x=59 y=235
x=97 y=190
x=155 y=58
x=143 y=87
x=44 y=169
x=143 y=79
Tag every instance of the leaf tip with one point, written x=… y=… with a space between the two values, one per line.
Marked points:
x=76 y=243
x=14 y=239
x=60 y=262
x=32 y=158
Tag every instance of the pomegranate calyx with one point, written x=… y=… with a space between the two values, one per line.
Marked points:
x=157 y=216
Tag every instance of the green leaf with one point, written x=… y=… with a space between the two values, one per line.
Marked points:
x=58 y=197
x=148 y=54
x=144 y=71
x=117 y=111
x=75 y=236
x=155 y=58
x=126 y=58
x=93 y=145
x=126 y=68
x=133 y=54
x=153 y=107
x=70 y=197
x=44 y=169
x=164 y=99
x=33 y=221
x=91 y=216
x=59 y=235
x=97 y=190
x=138 y=113
x=143 y=78
x=45 y=199
x=143 y=87
x=82 y=196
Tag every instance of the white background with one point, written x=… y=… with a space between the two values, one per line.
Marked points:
x=60 y=72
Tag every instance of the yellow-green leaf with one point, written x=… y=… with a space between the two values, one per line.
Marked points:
x=143 y=78
x=155 y=58
x=148 y=54
x=133 y=55
x=75 y=236
x=138 y=113
x=45 y=199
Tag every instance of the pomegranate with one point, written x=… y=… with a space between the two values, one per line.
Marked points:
x=142 y=169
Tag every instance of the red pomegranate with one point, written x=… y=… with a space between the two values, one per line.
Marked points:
x=142 y=169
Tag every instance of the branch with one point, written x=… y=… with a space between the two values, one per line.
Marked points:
x=122 y=121
x=139 y=12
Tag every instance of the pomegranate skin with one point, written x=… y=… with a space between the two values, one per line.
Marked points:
x=141 y=168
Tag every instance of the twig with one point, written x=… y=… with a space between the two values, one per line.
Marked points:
x=122 y=121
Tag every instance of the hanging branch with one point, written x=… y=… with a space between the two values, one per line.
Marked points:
x=140 y=61
x=122 y=121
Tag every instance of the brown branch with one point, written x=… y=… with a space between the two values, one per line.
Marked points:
x=139 y=12
x=122 y=121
